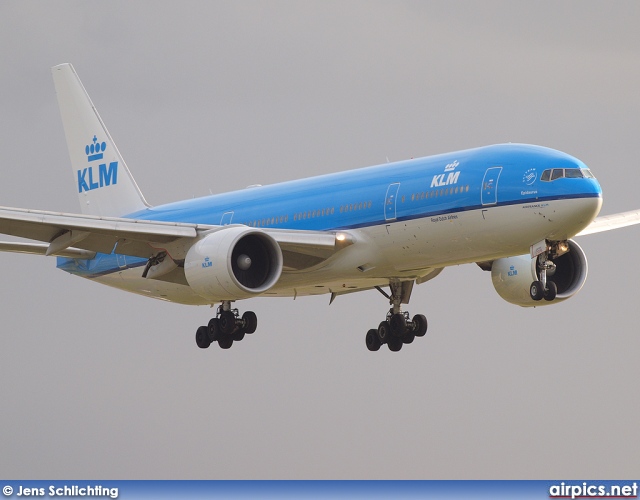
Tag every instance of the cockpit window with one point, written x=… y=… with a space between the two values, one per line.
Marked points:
x=573 y=173
x=587 y=173
x=566 y=173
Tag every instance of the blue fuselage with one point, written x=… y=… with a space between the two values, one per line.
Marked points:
x=435 y=188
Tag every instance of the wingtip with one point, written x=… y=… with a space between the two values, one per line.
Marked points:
x=61 y=66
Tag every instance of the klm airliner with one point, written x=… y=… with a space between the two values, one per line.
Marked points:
x=512 y=209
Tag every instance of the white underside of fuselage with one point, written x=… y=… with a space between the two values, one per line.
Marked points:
x=406 y=250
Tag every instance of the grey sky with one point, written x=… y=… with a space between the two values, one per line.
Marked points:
x=215 y=96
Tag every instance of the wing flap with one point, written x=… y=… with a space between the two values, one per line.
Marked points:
x=41 y=249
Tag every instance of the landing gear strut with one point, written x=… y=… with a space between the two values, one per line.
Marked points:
x=398 y=328
x=545 y=288
x=226 y=327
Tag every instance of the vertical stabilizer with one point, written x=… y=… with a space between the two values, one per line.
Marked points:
x=103 y=181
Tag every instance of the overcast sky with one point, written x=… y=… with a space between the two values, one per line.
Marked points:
x=214 y=96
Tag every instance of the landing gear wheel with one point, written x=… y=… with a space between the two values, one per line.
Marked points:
x=202 y=337
x=225 y=342
x=214 y=329
x=420 y=324
x=238 y=336
x=398 y=325
x=373 y=341
x=551 y=291
x=384 y=332
x=536 y=291
x=399 y=328
x=394 y=344
x=250 y=322
x=227 y=322
x=409 y=337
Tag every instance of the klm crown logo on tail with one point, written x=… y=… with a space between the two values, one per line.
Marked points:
x=87 y=179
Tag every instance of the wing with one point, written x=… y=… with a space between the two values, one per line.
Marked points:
x=81 y=236
x=92 y=233
x=609 y=222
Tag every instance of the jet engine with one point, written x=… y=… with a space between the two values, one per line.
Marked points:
x=512 y=276
x=233 y=263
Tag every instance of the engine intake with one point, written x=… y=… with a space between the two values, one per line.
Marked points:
x=512 y=276
x=233 y=263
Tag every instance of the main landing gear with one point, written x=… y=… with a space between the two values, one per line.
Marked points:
x=226 y=327
x=397 y=329
x=545 y=288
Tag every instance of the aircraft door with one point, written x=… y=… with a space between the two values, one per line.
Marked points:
x=122 y=261
x=390 y=201
x=490 y=186
x=226 y=218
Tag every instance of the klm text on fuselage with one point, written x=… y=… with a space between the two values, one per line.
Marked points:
x=445 y=179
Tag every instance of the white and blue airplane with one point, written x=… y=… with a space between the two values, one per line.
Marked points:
x=513 y=209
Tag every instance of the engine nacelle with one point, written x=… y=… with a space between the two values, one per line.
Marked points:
x=233 y=263
x=512 y=277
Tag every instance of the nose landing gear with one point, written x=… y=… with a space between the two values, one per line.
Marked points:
x=546 y=288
